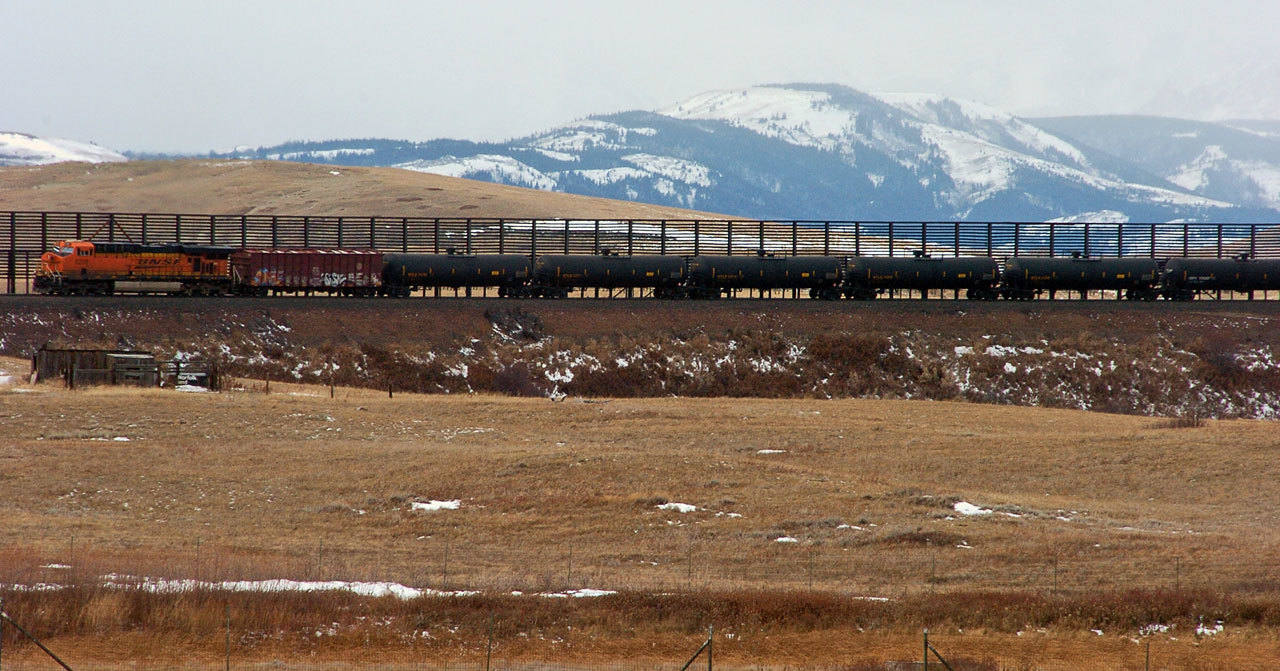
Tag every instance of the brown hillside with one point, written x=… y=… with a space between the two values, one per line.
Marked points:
x=270 y=187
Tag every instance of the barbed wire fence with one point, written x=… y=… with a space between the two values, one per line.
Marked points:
x=236 y=647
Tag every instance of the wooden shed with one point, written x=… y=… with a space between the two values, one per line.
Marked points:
x=95 y=366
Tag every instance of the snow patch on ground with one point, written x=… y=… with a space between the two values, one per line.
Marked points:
x=679 y=507
x=966 y=508
x=431 y=506
x=371 y=589
x=585 y=593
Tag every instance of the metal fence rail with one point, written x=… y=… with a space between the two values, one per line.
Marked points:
x=25 y=235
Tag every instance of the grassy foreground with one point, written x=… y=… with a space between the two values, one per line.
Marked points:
x=823 y=532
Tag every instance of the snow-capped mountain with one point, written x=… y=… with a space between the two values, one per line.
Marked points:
x=23 y=149
x=816 y=151
x=1235 y=161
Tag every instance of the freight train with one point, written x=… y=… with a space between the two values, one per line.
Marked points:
x=78 y=267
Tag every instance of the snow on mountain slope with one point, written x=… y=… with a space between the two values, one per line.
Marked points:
x=23 y=149
x=985 y=152
x=496 y=168
x=1237 y=162
x=806 y=118
x=988 y=123
x=674 y=178
x=824 y=151
x=1214 y=165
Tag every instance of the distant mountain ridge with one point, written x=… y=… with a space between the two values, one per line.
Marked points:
x=830 y=152
x=823 y=151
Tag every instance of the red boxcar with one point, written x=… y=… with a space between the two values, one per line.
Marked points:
x=350 y=272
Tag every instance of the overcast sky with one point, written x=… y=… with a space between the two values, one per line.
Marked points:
x=173 y=75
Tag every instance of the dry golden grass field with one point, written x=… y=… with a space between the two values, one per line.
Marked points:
x=817 y=532
x=276 y=187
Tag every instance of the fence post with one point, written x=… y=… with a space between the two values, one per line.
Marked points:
x=926 y=650
x=228 y=632
x=488 y=651
x=697 y=235
x=711 y=644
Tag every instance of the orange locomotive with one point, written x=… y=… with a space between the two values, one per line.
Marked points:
x=82 y=267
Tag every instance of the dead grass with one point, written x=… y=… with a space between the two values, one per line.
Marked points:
x=274 y=187
x=246 y=485
x=753 y=628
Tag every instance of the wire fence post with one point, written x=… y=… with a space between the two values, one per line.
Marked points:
x=711 y=644
x=488 y=651
x=227 y=614
x=705 y=647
